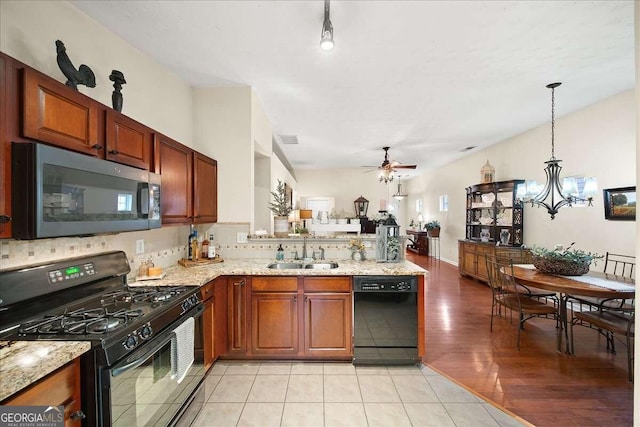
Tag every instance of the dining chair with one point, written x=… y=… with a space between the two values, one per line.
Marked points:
x=608 y=322
x=618 y=265
x=506 y=293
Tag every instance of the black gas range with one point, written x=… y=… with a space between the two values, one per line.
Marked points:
x=132 y=330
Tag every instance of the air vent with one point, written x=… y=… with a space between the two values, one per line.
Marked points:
x=288 y=139
x=467 y=148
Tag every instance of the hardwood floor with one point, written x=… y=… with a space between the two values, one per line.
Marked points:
x=537 y=383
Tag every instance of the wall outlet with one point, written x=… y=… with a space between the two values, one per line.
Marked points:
x=242 y=238
x=139 y=246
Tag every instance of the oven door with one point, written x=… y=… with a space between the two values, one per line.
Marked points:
x=142 y=391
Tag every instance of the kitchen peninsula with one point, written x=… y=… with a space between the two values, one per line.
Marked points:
x=245 y=284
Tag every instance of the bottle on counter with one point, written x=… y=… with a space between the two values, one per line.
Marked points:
x=192 y=232
x=280 y=253
x=195 y=252
x=205 y=248
x=212 y=248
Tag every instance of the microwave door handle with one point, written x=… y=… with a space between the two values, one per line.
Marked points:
x=143 y=199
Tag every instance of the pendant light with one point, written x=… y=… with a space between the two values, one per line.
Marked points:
x=553 y=196
x=326 y=40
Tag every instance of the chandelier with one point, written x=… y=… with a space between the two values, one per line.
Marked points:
x=386 y=175
x=559 y=196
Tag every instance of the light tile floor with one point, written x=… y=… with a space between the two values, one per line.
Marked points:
x=301 y=394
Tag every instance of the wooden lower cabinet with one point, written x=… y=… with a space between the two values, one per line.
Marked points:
x=237 y=312
x=327 y=319
x=61 y=387
x=290 y=317
x=208 y=325
x=472 y=256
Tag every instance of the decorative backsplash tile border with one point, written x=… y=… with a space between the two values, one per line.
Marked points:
x=167 y=245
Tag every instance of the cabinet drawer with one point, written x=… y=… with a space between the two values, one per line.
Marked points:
x=274 y=284
x=207 y=290
x=482 y=249
x=327 y=284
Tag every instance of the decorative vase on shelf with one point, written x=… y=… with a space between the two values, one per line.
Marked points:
x=504 y=237
x=484 y=235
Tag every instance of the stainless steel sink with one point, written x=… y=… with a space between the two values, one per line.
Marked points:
x=299 y=265
x=285 y=265
x=322 y=265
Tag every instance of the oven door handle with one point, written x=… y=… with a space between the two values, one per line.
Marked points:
x=165 y=338
x=123 y=367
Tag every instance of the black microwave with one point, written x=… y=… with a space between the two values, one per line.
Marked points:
x=58 y=193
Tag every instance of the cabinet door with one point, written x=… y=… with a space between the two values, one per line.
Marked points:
x=208 y=324
x=59 y=115
x=274 y=323
x=127 y=141
x=8 y=121
x=237 y=315
x=174 y=162
x=221 y=315
x=62 y=387
x=327 y=320
x=205 y=189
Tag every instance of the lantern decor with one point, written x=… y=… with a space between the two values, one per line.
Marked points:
x=361 y=205
x=487 y=173
x=388 y=241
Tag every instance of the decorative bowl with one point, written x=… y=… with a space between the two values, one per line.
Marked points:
x=560 y=266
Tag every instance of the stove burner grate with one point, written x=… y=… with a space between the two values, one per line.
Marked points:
x=81 y=321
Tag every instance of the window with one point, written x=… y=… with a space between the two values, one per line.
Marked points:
x=444 y=203
x=419 y=206
x=124 y=202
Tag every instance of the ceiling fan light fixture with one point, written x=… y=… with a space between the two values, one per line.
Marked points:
x=326 y=38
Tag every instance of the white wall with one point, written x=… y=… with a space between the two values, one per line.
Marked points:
x=636 y=384
x=596 y=141
x=222 y=129
x=152 y=95
x=346 y=185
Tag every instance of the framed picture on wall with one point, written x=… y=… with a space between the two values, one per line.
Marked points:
x=620 y=203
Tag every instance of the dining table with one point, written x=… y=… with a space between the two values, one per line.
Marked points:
x=593 y=284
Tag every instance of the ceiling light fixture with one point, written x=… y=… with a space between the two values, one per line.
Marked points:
x=566 y=195
x=386 y=175
x=399 y=195
x=326 y=40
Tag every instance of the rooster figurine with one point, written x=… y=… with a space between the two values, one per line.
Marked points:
x=82 y=76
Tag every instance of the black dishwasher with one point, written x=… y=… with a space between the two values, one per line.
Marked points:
x=385 y=313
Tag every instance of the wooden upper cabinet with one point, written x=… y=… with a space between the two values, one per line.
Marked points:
x=173 y=161
x=59 y=115
x=127 y=141
x=189 y=183
x=205 y=189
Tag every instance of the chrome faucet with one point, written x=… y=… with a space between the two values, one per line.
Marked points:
x=321 y=253
x=304 y=248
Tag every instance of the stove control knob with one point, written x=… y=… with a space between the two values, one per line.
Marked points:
x=145 y=332
x=130 y=342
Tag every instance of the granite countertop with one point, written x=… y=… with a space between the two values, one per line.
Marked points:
x=24 y=362
x=202 y=274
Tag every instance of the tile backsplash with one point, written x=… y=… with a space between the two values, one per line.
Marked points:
x=167 y=245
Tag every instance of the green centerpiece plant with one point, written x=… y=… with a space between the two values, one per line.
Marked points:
x=433 y=228
x=564 y=261
x=281 y=208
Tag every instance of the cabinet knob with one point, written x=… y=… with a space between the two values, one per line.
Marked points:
x=114 y=152
x=5 y=219
x=97 y=147
x=78 y=415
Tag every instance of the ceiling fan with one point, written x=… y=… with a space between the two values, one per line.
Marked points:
x=388 y=167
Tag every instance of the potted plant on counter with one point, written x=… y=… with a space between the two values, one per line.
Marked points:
x=281 y=209
x=433 y=228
